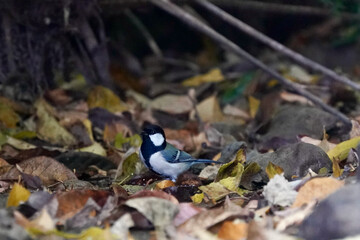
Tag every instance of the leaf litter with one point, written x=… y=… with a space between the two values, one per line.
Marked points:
x=70 y=166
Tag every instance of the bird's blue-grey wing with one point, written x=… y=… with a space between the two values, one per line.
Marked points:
x=176 y=156
x=172 y=154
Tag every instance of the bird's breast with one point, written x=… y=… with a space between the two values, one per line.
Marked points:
x=163 y=167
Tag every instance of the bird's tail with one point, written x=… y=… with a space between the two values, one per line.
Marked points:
x=203 y=161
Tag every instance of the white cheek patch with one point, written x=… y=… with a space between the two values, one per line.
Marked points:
x=157 y=139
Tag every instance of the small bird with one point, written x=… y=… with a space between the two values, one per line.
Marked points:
x=163 y=158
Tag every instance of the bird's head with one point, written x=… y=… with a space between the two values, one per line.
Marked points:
x=154 y=134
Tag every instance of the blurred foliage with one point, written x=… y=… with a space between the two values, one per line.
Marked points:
x=352 y=6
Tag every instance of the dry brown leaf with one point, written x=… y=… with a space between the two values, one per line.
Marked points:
x=209 y=110
x=47 y=169
x=236 y=112
x=206 y=219
x=112 y=129
x=291 y=97
x=58 y=97
x=173 y=104
x=355 y=130
x=186 y=211
x=233 y=231
x=185 y=139
x=3 y=162
x=156 y=193
x=317 y=188
x=73 y=201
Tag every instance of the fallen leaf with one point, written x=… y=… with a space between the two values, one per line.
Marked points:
x=214 y=75
x=113 y=128
x=159 y=212
x=233 y=231
x=209 y=110
x=18 y=194
x=236 y=112
x=8 y=117
x=19 y=144
x=272 y=170
x=77 y=82
x=229 y=174
x=24 y=135
x=48 y=127
x=95 y=148
x=316 y=189
x=71 y=202
x=215 y=191
x=206 y=219
x=58 y=97
x=128 y=167
x=173 y=104
x=186 y=211
x=249 y=173
x=299 y=74
x=355 y=130
x=294 y=98
x=43 y=222
x=253 y=106
x=103 y=97
x=47 y=169
x=341 y=151
x=336 y=169
x=121 y=226
x=198 y=198
x=156 y=194
x=164 y=184
x=133 y=141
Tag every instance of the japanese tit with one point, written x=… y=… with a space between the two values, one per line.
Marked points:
x=162 y=157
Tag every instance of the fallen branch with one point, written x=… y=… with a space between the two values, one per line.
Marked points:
x=229 y=45
x=276 y=45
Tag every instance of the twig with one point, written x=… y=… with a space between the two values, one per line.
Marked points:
x=276 y=45
x=8 y=42
x=143 y=30
x=227 y=44
x=276 y=8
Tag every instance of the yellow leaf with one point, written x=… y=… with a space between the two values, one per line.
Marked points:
x=341 y=151
x=17 y=195
x=197 y=198
x=336 y=169
x=231 y=183
x=103 y=97
x=209 y=110
x=48 y=128
x=164 y=184
x=241 y=155
x=95 y=148
x=215 y=190
x=8 y=116
x=272 y=170
x=88 y=126
x=97 y=233
x=214 y=75
x=253 y=106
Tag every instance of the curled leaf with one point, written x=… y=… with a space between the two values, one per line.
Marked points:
x=272 y=170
